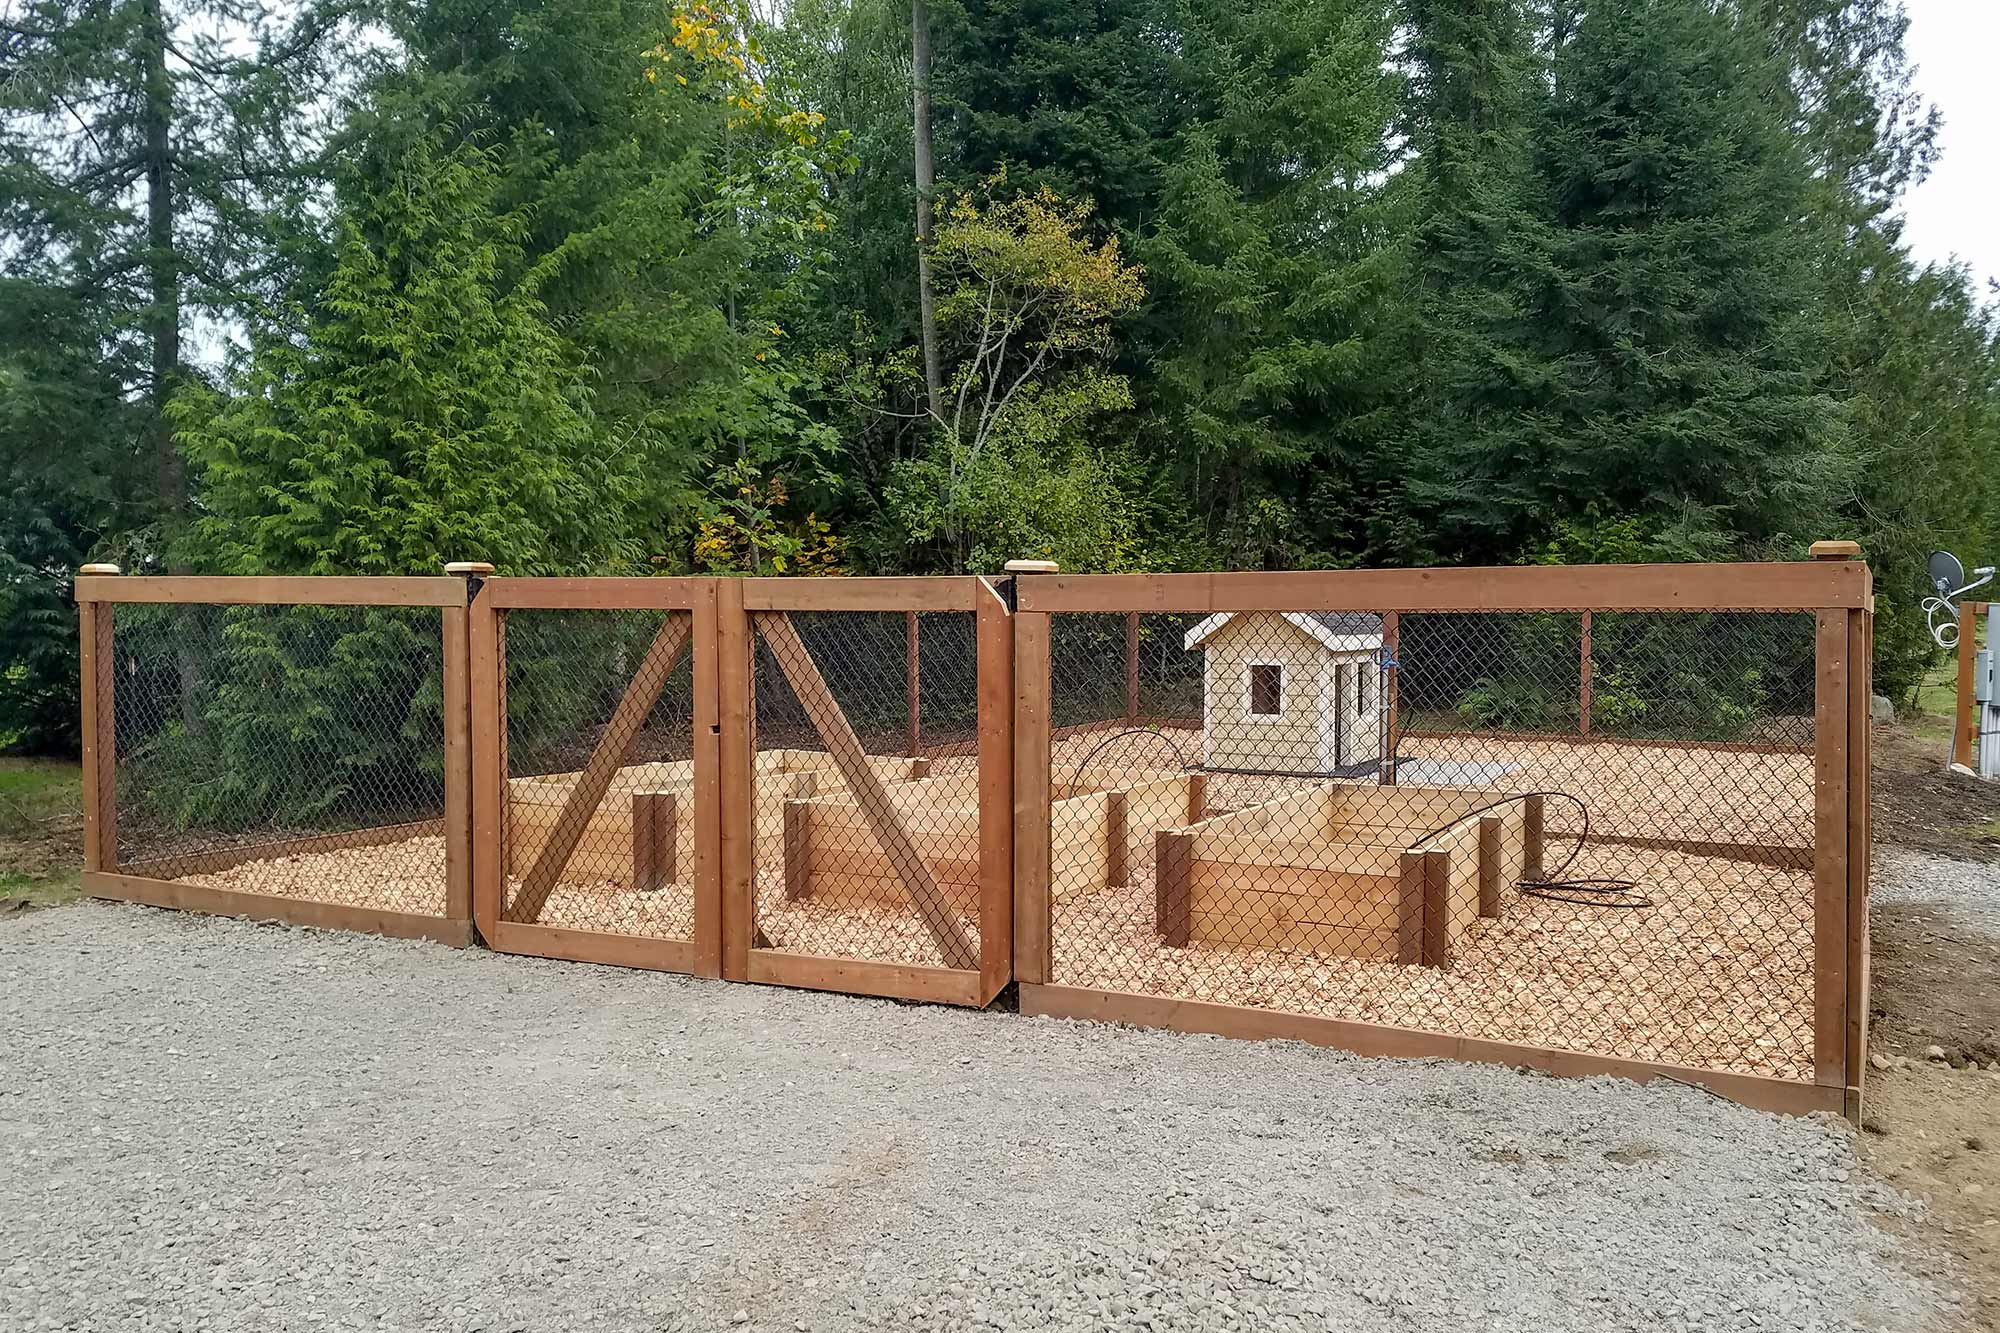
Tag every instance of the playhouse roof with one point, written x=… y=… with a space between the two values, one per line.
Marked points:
x=1337 y=631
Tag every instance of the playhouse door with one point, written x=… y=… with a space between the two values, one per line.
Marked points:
x=1343 y=738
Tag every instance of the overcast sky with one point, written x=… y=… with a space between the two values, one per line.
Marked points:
x=1955 y=44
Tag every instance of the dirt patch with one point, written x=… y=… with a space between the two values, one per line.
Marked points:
x=1932 y=1129
x=1934 y=1132
x=1915 y=801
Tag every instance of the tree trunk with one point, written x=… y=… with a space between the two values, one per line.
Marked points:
x=920 y=82
x=163 y=319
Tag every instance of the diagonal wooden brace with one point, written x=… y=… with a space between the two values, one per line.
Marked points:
x=866 y=786
x=627 y=720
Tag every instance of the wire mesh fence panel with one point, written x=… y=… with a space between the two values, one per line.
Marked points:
x=862 y=850
x=1461 y=823
x=295 y=752
x=599 y=809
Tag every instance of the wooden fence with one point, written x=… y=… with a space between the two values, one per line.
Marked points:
x=881 y=786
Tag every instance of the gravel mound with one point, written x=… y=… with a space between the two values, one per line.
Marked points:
x=213 y=1125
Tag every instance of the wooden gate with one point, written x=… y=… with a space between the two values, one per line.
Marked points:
x=866 y=807
x=595 y=770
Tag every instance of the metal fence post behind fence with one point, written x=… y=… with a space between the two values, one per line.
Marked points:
x=100 y=732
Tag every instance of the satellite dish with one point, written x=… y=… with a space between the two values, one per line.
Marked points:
x=1947 y=574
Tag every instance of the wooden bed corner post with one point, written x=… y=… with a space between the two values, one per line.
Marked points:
x=994 y=637
x=736 y=778
x=1031 y=782
x=474 y=817
x=99 y=726
x=1837 y=634
x=459 y=856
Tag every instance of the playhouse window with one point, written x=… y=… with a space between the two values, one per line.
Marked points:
x=1361 y=689
x=1267 y=684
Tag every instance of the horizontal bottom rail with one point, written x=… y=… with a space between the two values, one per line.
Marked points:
x=570 y=944
x=186 y=897
x=1227 y=1020
x=896 y=981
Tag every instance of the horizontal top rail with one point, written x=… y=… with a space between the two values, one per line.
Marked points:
x=1789 y=586
x=948 y=592
x=598 y=594
x=262 y=590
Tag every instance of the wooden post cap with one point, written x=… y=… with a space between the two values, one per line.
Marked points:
x=1836 y=550
x=1032 y=567
x=96 y=570
x=468 y=568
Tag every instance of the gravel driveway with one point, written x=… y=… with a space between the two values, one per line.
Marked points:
x=207 y=1124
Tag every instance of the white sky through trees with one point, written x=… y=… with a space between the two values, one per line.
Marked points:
x=1957 y=211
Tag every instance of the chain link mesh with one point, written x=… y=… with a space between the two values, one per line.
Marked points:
x=599 y=824
x=864 y=849
x=1462 y=823
x=289 y=751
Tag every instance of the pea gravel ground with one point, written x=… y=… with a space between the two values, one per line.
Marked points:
x=207 y=1124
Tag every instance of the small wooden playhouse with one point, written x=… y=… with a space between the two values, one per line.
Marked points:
x=1290 y=692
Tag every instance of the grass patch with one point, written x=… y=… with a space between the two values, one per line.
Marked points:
x=41 y=827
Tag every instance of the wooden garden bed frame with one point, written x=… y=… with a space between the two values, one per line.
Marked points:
x=702 y=825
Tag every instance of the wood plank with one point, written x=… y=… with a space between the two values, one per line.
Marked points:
x=867 y=788
x=1079 y=846
x=488 y=704
x=950 y=592
x=265 y=590
x=654 y=824
x=1830 y=834
x=958 y=879
x=1965 y=730
x=1411 y=888
x=1173 y=868
x=737 y=761
x=993 y=641
x=852 y=976
x=614 y=745
x=1785 y=1096
x=1598 y=740
x=1322 y=939
x=1437 y=937
x=457 y=702
x=99 y=685
x=600 y=594
x=1754 y=853
x=1031 y=794
x=1213 y=885
x=1860 y=846
x=1785 y=586
x=185 y=897
x=1491 y=865
x=1117 y=868
x=1331 y=853
x=575 y=945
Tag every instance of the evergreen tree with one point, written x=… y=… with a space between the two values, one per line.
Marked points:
x=1274 y=259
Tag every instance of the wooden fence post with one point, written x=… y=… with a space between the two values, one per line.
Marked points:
x=1832 y=829
x=1031 y=784
x=993 y=630
x=1583 y=667
x=1965 y=725
x=736 y=763
x=100 y=730
x=487 y=704
x=459 y=856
